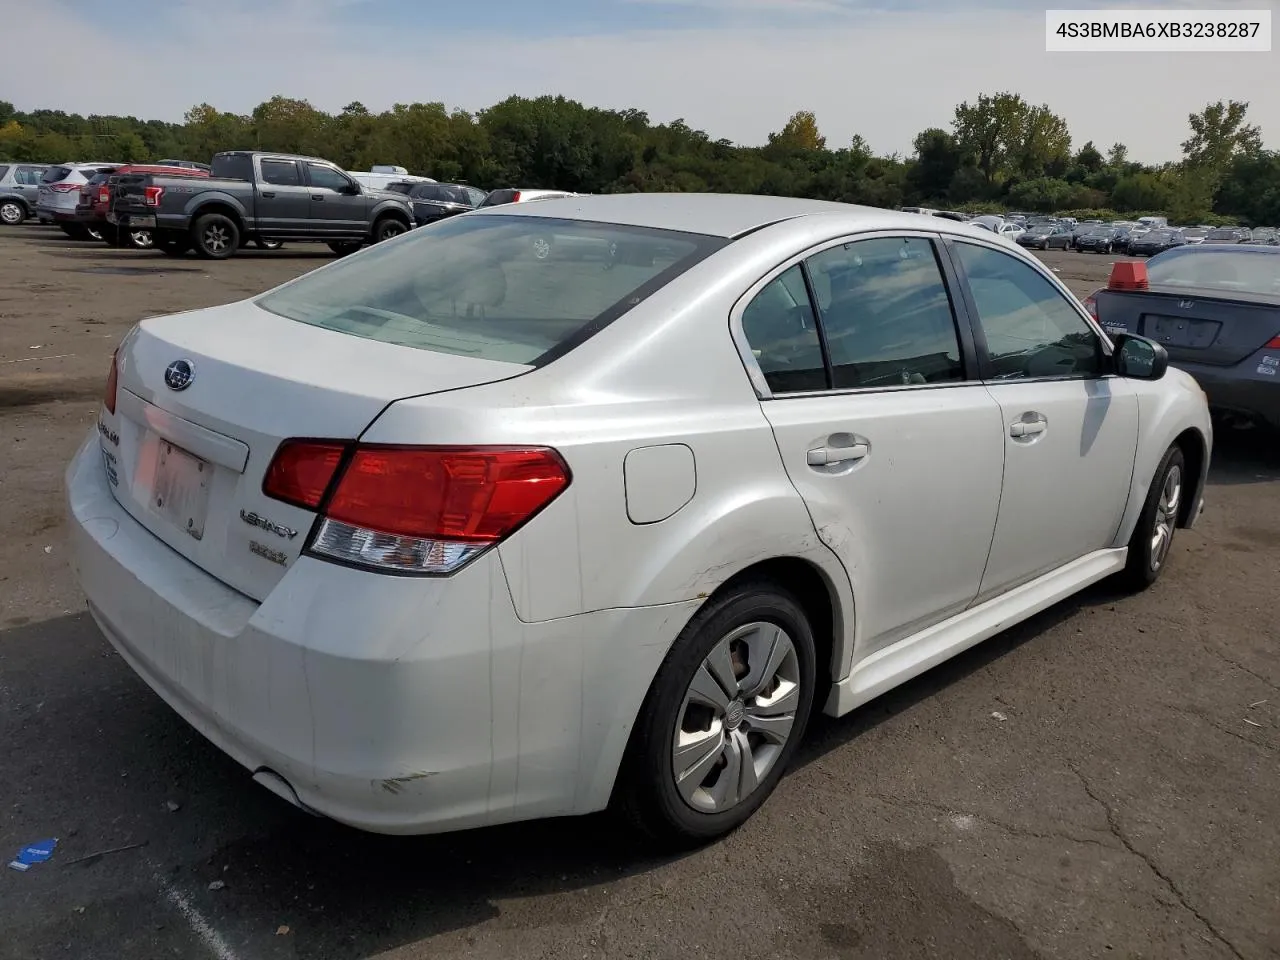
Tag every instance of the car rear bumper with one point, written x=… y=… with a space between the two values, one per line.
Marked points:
x=392 y=704
x=1242 y=389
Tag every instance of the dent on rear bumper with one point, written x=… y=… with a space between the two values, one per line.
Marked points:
x=398 y=705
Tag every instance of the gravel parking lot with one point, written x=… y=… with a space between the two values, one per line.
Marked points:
x=1103 y=781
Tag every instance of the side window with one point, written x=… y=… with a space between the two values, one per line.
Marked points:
x=323 y=177
x=780 y=328
x=1030 y=327
x=29 y=175
x=886 y=314
x=4 y=172
x=283 y=173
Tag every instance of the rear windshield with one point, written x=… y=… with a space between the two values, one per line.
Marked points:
x=498 y=197
x=515 y=289
x=54 y=174
x=1249 y=271
x=442 y=193
x=233 y=166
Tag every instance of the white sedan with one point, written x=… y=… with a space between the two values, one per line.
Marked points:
x=444 y=534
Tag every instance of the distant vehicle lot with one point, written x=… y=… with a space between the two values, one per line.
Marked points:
x=1126 y=808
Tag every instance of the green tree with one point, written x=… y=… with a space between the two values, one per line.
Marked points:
x=937 y=159
x=1218 y=134
x=1090 y=158
x=799 y=133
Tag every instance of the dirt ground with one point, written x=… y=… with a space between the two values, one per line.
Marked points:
x=1126 y=806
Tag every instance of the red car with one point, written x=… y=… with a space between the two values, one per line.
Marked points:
x=95 y=202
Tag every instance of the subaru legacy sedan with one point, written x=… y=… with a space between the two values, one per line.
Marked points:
x=446 y=534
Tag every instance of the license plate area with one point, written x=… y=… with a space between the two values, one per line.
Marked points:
x=180 y=493
x=1181 y=331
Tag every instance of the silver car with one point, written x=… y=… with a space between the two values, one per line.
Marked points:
x=60 y=190
x=19 y=190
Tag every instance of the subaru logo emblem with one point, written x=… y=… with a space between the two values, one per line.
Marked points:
x=179 y=374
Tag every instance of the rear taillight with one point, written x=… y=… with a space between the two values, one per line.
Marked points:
x=426 y=510
x=516 y=197
x=103 y=194
x=113 y=379
x=302 y=470
x=152 y=196
x=1091 y=304
x=1273 y=343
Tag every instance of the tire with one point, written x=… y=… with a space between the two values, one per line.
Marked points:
x=387 y=228
x=215 y=236
x=741 y=620
x=12 y=213
x=268 y=244
x=344 y=248
x=74 y=231
x=1153 y=536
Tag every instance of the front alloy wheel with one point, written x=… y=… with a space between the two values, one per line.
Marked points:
x=1153 y=535
x=1166 y=517
x=737 y=716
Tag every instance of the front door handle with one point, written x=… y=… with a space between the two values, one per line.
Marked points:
x=825 y=456
x=1028 y=428
x=317 y=196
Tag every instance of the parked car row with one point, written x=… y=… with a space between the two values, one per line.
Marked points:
x=243 y=197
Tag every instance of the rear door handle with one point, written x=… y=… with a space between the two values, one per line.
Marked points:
x=825 y=456
x=268 y=194
x=317 y=196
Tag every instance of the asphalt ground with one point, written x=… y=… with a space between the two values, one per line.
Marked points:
x=1101 y=781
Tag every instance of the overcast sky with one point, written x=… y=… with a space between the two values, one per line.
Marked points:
x=735 y=68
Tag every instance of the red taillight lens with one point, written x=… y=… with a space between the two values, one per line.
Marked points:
x=1273 y=343
x=468 y=494
x=1091 y=304
x=516 y=197
x=113 y=380
x=103 y=194
x=414 y=509
x=302 y=470
x=153 y=195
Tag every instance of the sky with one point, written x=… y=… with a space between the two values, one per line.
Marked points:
x=734 y=68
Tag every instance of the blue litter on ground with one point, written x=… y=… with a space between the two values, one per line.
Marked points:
x=37 y=852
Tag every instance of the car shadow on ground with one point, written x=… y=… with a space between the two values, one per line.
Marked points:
x=1245 y=455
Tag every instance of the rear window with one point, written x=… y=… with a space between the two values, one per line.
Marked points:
x=55 y=174
x=233 y=166
x=475 y=286
x=1247 y=271
x=499 y=197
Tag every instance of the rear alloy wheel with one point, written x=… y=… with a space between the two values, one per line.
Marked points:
x=268 y=244
x=94 y=233
x=12 y=213
x=1153 y=536
x=215 y=236
x=140 y=239
x=389 y=227
x=723 y=718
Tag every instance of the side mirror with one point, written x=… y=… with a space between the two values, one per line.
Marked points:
x=351 y=189
x=1139 y=358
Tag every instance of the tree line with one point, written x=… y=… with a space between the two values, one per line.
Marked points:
x=998 y=152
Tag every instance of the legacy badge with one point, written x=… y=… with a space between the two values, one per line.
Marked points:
x=262 y=523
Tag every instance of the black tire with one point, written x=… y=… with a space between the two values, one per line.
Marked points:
x=172 y=245
x=215 y=236
x=1146 y=562
x=112 y=236
x=75 y=231
x=344 y=248
x=138 y=239
x=12 y=212
x=268 y=244
x=646 y=792
x=388 y=227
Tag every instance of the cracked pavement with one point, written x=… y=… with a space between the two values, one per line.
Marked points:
x=1126 y=807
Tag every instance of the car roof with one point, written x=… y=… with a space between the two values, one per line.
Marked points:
x=713 y=214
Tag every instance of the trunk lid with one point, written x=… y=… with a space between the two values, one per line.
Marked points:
x=188 y=463
x=1198 y=326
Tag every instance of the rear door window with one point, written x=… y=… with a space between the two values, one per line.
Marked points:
x=233 y=166
x=283 y=173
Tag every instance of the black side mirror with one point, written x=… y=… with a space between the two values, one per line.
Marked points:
x=351 y=189
x=1139 y=358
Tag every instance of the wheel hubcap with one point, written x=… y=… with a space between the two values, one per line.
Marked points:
x=142 y=238
x=736 y=717
x=10 y=213
x=215 y=238
x=1166 y=517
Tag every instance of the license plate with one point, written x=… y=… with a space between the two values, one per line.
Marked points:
x=137 y=222
x=1182 y=332
x=181 y=490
